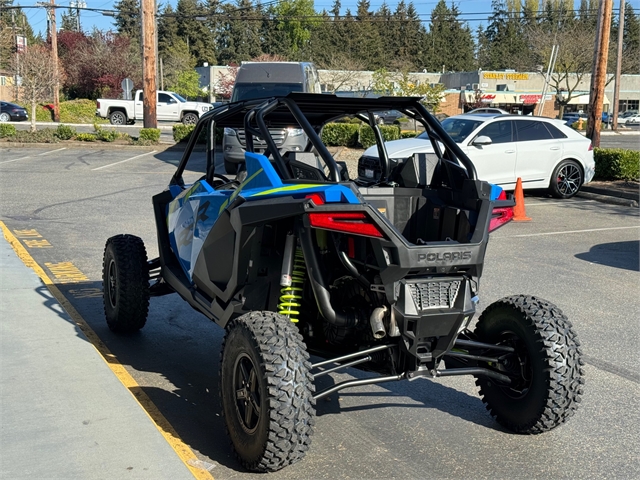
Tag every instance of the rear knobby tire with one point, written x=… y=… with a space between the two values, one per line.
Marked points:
x=266 y=391
x=125 y=283
x=546 y=369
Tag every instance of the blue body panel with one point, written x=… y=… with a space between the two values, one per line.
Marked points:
x=194 y=211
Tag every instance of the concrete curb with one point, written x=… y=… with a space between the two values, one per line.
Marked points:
x=611 y=193
x=625 y=202
x=106 y=125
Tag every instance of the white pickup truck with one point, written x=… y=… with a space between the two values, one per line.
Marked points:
x=170 y=106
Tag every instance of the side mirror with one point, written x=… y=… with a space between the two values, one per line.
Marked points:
x=482 y=140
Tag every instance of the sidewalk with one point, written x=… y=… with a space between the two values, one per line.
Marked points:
x=63 y=412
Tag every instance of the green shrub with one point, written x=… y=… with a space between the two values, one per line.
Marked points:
x=86 y=137
x=46 y=135
x=409 y=134
x=340 y=135
x=617 y=164
x=79 y=111
x=367 y=138
x=107 y=135
x=7 y=130
x=151 y=135
x=65 y=132
x=182 y=133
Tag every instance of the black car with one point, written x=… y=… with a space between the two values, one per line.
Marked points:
x=12 y=112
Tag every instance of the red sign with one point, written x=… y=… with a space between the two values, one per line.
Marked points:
x=530 y=99
x=488 y=98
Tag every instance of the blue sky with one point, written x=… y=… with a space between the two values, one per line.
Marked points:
x=473 y=9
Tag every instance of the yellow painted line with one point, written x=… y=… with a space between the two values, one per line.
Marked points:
x=162 y=424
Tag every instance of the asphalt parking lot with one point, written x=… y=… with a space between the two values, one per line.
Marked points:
x=580 y=254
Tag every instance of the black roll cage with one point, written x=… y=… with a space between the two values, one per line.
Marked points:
x=255 y=116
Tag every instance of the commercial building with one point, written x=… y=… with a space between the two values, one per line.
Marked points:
x=515 y=92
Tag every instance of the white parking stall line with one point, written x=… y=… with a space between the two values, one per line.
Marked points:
x=568 y=204
x=566 y=231
x=52 y=151
x=30 y=156
x=122 y=161
x=16 y=159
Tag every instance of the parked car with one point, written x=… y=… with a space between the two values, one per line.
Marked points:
x=12 y=112
x=388 y=117
x=488 y=110
x=545 y=153
x=571 y=118
x=170 y=106
x=256 y=80
x=632 y=119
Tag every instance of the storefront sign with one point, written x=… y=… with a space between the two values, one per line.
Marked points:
x=505 y=76
x=530 y=99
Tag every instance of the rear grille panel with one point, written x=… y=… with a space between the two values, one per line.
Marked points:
x=435 y=294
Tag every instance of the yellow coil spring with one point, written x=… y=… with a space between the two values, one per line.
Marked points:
x=291 y=296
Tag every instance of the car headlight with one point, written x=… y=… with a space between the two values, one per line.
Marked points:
x=206 y=109
x=295 y=132
x=230 y=132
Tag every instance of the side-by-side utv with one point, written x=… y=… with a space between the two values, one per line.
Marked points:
x=293 y=257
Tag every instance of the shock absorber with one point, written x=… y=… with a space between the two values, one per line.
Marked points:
x=292 y=280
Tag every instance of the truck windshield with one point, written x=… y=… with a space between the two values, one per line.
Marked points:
x=250 y=91
x=178 y=97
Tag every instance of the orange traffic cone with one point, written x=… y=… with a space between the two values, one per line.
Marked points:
x=519 y=214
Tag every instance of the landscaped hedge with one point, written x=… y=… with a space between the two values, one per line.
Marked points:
x=617 y=164
x=409 y=134
x=71 y=111
x=7 y=130
x=150 y=135
x=340 y=134
x=367 y=138
x=182 y=133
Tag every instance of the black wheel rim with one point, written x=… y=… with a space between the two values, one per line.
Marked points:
x=112 y=283
x=517 y=366
x=569 y=179
x=246 y=386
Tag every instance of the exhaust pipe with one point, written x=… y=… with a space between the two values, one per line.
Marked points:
x=377 y=327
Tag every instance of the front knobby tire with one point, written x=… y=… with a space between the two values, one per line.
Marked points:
x=546 y=368
x=125 y=283
x=266 y=391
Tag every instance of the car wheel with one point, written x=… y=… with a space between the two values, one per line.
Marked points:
x=266 y=391
x=566 y=179
x=125 y=283
x=230 y=167
x=5 y=117
x=545 y=367
x=118 y=118
x=190 y=119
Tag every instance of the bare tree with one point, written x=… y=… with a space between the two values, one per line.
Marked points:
x=341 y=70
x=38 y=80
x=575 y=58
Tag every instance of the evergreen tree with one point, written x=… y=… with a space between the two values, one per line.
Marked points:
x=128 y=21
x=239 y=33
x=448 y=43
x=167 y=30
x=195 y=32
x=631 y=30
x=70 y=21
x=366 y=43
x=503 y=44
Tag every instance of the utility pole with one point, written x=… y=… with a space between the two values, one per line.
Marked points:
x=149 y=69
x=54 y=61
x=15 y=40
x=599 y=75
x=616 y=88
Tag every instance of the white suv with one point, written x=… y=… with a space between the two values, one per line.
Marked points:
x=545 y=153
